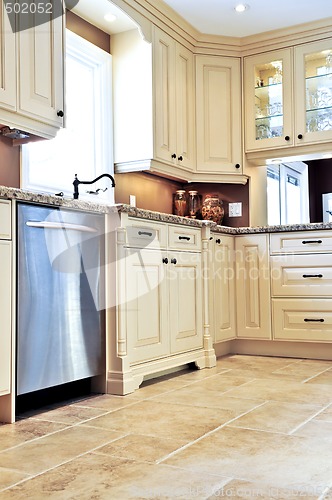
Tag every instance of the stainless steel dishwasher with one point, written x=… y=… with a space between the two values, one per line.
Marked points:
x=59 y=325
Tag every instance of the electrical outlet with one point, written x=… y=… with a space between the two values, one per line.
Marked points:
x=235 y=209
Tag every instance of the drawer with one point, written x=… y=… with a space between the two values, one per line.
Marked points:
x=142 y=234
x=5 y=220
x=302 y=319
x=301 y=275
x=301 y=242
x=184 y=238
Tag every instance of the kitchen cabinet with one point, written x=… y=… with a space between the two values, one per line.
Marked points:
x=174 y=105
x=218 y=115
x=301 y=286
x=31 y=79
x=253 y=286
x=5 y=299
x=288 y=98
x=157 y=322
x=222 y=287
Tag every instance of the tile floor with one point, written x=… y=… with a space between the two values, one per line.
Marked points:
x=252 y=427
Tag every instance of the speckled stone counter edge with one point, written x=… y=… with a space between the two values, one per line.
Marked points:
x=88 y=206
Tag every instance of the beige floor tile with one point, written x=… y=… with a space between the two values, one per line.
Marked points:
x=276 y=460
x=246 y=489
x=141 y=448
x=304 y=368
x=323 y=378
x=107 y=478
x=41 y=454
x=25 y=430
x=69 y=414
x=284 y=390
x=263 y=363
x=316 y=430
x=9 y=478
x=276 y=417
x=325 y=415
x=106 y=402
x=152 y=418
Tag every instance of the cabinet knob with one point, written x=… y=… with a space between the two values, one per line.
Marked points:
x=60 y=113
x=237 y=165
x=173 y=155
x=300 y=136
x=218 y=241
x=165 y=260
x=180 y=158
x=287 y=138
x=173 y=261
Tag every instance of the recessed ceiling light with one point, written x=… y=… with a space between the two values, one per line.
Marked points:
x=110 y=18
x=241 y=7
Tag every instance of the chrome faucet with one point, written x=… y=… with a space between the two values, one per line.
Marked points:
x=76 y=183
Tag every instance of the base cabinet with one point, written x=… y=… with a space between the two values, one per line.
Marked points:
x=5 y=317
x=253 y=287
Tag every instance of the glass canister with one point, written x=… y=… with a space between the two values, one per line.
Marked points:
x=193 y=204
x=180 y=203
x=213 y=208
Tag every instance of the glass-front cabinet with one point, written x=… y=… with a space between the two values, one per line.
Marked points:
x=313 y=71
x=268 y=100
x=288 y=97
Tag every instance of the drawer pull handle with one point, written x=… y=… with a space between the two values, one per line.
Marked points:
x=318 y=320
x=184 y=238
x=304 y=242
x=144 y=233
x=165 y=260
x=312 y=275
x=218 y=241
x=173 y=261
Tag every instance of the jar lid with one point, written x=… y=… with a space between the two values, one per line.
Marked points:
x=193 y=192
x=180 y=191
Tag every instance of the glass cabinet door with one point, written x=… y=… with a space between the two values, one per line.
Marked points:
x=313 y=73
x=268 y=100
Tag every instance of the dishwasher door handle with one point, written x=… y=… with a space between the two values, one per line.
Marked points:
x=61 y=225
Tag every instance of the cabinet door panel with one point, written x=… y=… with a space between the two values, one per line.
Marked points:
x=5 y=317
x=41 y=71
x=185 y=292
x=7 y=62
x=146 y=305
x=218 y=114
x=253 y=287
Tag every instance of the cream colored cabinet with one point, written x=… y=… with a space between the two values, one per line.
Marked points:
x=301 y=286
x=32 y=80
x=218 y=115
x=5 y=299
x=253 y=286
x=288 y=98
x=222 y=287
x=173 y=71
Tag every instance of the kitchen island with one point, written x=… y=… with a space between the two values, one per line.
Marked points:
x=181 y=291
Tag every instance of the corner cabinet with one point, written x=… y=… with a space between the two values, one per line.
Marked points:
x=253 y=287
x=218 y=116
x=32 y=75
x=157 y=319
x=288 y=100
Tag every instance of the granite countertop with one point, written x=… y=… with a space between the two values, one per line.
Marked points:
x=104 y=208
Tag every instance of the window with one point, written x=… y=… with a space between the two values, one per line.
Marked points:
x=84 y=146
x=287 y=193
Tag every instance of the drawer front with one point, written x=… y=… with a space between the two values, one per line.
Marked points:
x=301 y=275
x=142 y=234
x=184 y=238
x=5 y=220
x=301 y=242
x=302 y=319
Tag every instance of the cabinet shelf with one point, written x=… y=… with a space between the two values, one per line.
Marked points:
x=261 y=119
x=267 y=87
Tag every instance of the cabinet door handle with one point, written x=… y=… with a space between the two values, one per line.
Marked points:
x=287 y=138
x=60 y=113
x=165 y=260
x=144 y=233
x=218 y=241
x=173 y=155
x=312 y=275
x=173 y=261
x=180 y=158
x=300 y=136
x=314 y=320
x=184 y=238
x=237 y=165
x=305 y=242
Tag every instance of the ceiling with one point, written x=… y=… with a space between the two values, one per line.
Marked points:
x=218 y=17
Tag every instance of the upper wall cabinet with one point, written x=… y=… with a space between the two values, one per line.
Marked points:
x=288 y=99
x=218 y=115
x=31 y=74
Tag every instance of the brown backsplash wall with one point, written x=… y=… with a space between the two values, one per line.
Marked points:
x=9 y=164
x=155 y=193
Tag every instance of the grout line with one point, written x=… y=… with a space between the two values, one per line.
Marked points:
x=316 y=375
x=309 y=419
